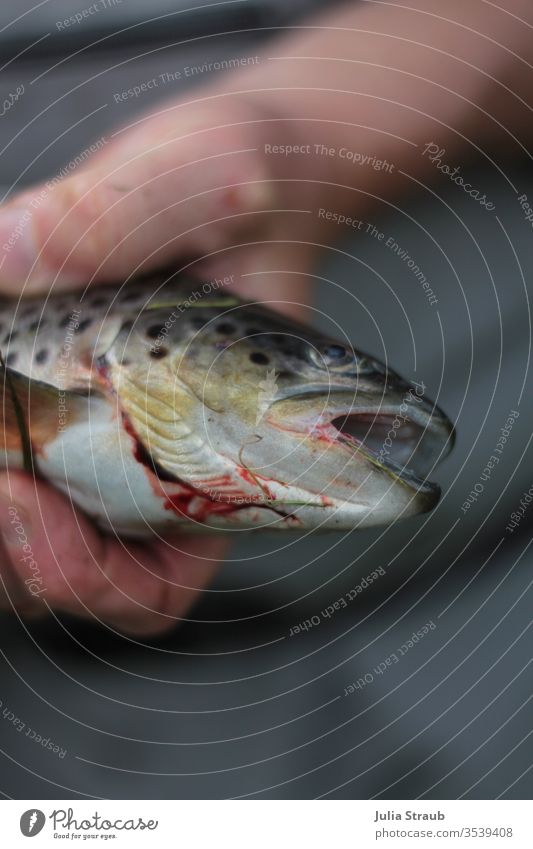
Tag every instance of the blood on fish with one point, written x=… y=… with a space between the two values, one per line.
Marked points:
x=207 y=501
x=142 y=455
x=180 y=503
x=199 y=503
x=211 y=502
x=256 y=480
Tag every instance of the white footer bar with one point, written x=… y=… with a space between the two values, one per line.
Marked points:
x=267 y=824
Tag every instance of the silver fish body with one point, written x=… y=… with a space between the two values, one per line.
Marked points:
x=162 y=405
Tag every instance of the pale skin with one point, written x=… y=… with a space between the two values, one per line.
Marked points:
x=194 y=180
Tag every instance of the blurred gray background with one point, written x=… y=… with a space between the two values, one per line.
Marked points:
x=230 y=705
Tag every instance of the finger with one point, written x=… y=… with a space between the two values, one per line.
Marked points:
x=165 y=188
x=14 y=595
x=15 y=592
x=138 y=588
x=275 y=273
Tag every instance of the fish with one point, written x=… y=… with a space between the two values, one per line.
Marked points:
x=161 y=405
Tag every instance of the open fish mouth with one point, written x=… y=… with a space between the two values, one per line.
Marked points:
x=398 y=434
x=408 y=449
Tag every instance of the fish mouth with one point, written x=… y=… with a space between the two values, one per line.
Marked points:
x=399 y=433
x=408 y=449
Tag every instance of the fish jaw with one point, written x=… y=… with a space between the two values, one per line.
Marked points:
x=352 y=457
x=192 y=408
x=300 y=467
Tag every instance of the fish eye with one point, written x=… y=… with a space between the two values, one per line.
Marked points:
x=332 y=355
x=335 y=353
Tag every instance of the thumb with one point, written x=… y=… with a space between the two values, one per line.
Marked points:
x=154 y=194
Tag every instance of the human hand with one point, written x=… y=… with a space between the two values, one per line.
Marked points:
x=192 y=185
x=184 y=187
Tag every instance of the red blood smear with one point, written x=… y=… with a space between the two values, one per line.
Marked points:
x=205 y=505
x=180 y=503
x=216 y=503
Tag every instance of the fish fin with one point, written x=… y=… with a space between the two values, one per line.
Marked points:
x=107 y=332
x=93 y=343
x=34 y=412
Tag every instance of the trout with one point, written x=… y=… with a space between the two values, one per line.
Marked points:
x=158 y=407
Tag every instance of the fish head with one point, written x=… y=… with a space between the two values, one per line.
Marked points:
x=292 y=428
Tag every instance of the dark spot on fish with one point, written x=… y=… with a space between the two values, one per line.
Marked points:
x=199 y=322
x=125 y=362
x=259 y=359
x=284 y=375
x=99 y=302
x=41 y=356
x=11 y=358
x=154 y=331
x=35 y=325
x=158 y=353
x=65 y=320
x=9 y=337
x=126 y=326
x=83 y=325
x=252 y=331
x=225 y=327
